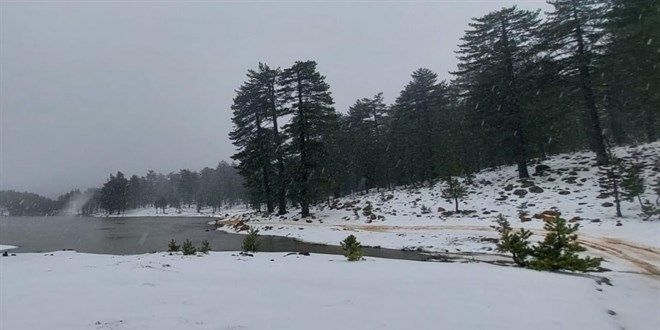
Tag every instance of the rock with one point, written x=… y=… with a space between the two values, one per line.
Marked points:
x=501 y=198
x=535 y=189
x=524 y=218
x=619 y=224
x=551 y=179
x=611 y=312
x=520 y=192
x=572 y=173
x=527 y=184
x=486 y=212
x=508 y=187
x=308 y=221
x=5 y=254
x=553 y=213
x=539 y=169
x=574 y=219
x=603 y=196
x=607 y=204
x=564 y=192
x=595 y=220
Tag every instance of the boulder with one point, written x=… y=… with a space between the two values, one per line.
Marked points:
x=508 y=187
x=535 y=189
x=539 y=169
x=607 y=204
x=564 y=192
x=520 y=192
x=527 y=184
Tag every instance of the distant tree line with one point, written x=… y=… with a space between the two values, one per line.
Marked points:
x=526 y=87
x=211 y=187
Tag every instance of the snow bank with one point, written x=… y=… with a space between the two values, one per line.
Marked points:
x=6 y=247
x=68 y=290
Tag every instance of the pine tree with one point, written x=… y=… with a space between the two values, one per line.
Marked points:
x=114 y=194
x=366 y=127
x=560 y=248
x=455 y=190
x=251 y=242
x=610 y=181
x=415 y=125
x=516 y=243
x=307 y=94
x=572 y=35
x=632 y=184
x=352 y=248
x=254 y=140
x=630 y=67
x=494 y=56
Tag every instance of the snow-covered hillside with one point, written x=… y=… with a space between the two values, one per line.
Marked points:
x=418 y=218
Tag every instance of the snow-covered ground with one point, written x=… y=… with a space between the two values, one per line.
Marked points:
x=570 y=185
x=69 y=290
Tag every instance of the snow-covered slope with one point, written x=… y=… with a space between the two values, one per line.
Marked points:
x=68 y=290
x=569 y=185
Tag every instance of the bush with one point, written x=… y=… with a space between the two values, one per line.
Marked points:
x=188 y=248
x=251 y=242
x=352 y=248
x=172 y=247
x=206 y=247
x=558 y=251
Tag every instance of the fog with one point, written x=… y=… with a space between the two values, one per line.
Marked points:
x=91 y=88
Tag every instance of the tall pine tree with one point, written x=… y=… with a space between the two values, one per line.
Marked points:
x=308 y=95
x=493 y=65
x=572 y=35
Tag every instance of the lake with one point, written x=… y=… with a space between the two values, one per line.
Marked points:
x=147 y=234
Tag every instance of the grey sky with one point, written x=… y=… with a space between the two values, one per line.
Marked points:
x=89 y=88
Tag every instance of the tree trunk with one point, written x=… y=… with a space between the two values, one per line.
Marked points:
x=514 y=109
x=304 y=203
x=281 y=180
x=595 y=131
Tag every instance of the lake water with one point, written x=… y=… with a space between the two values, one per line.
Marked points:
x=145 y=235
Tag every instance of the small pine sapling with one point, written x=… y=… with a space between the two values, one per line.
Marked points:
x=173 y=247
x=632 y=183
x=251 y=242
x=454 y=190
x=656 y=189
x=352 y=248
x=188 y=248
x=205 y=248
x=560 y=248
x=516 y=243
x=610 y=181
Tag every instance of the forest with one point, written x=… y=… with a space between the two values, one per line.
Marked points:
x=582 y=76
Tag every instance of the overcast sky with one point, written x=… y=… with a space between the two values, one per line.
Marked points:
x=90 y=88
